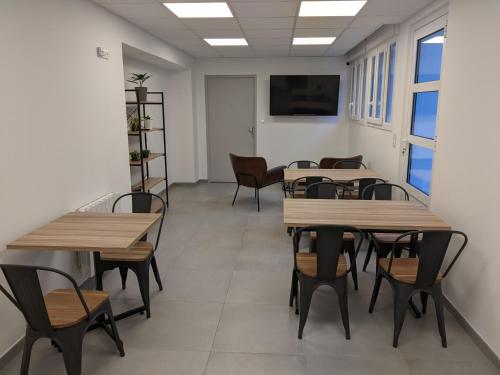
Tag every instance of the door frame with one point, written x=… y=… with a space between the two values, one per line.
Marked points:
x=207 y=77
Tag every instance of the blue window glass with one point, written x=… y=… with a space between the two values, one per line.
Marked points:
x=390 y=83
x=380 y=81
x=420 y=168
x=363 y=92
x=424 y=114
x=372 y=88
x=429 y=53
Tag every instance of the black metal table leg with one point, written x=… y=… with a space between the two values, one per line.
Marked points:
x=413 y=246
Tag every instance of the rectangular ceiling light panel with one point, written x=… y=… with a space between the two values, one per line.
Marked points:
x=200 y=10
x=313 y=41
x=226 y=41
x=330 y=8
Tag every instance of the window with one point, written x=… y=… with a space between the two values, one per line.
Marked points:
x=372 y=85
x=390 y=83
x=423 y=101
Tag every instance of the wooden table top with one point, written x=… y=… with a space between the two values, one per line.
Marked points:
x=88 y=231
x=340 y=175
x=364 y=214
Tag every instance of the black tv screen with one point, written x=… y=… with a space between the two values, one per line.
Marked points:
x=294 y=95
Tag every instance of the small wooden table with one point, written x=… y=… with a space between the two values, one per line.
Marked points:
x=90 y=231
x=369 y=215
x=338 y=175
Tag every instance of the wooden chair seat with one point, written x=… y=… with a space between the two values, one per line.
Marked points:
x=390 y=238
x=137 y=253
x=404 y=269
x=65 y=308
x=348 y=236
x=307 y=264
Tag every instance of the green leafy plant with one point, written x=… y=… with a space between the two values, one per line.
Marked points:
x=135 y=155
x=147 y=117
x=145 y=153
x=139 y=78
x=134 y=124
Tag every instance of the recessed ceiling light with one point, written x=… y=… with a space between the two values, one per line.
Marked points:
x=313 y=41
x=226 y=41
x=436 y=40
x=330 y=8
x=200 y=10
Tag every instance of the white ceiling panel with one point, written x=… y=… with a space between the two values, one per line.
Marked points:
x=268 y=25
x=265 y=9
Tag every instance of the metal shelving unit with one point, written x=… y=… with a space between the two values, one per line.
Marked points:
x=148 y=182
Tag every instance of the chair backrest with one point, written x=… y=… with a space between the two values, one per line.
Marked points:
x=431 y=252
x=142 y=203
x=329 y=247
x=328 y=163
x=27 y=293
x=249 y=171
x=307 y=181
x=322 y=190
x=349 y=164
x=303 y=164
x=359 y=185
x=385 y=192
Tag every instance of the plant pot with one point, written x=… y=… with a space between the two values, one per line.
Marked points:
x=145 y=154
x=142 y=93
x=147 y=124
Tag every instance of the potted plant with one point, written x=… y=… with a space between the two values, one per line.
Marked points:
x=135 y=155
x=145 y=153
x=147 y=122
x=134 y=124
x=139 y=79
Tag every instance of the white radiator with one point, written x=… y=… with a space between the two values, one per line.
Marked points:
x=103 y=204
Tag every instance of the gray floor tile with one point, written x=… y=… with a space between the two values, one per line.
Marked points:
x=208 y=257
x=254 y=364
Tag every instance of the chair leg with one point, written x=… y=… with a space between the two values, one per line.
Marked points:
x=376 y=289
x=123 y=275
x=142 y=272
x=341 y=289
x=352 y=258
x=258 y=199
x=305 y=297
x=235 y=194
x=423 y=297
x=293 y=291
x=438 y=302
x=118 y=341
x=28 y=345
x=71 y=341
x=368 y=255
x=156 y=273
x=400 y=307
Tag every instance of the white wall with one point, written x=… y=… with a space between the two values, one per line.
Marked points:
x=63 y=118
x=279 y=139
x=465 y=178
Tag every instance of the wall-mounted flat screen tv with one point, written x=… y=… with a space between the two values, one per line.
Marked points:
x=300 y=95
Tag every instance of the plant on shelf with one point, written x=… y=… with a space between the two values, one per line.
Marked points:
x=135 y=155
x=139 y=79
x=145 y=153
x=134 y=124
x=147 y=122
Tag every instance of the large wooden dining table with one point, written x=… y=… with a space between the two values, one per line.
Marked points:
x=90 y=231
x=337 y=175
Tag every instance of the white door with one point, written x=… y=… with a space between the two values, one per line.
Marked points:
x=230 y=106
x=423 y=100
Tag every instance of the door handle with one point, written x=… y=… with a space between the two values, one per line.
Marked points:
x=251 y=129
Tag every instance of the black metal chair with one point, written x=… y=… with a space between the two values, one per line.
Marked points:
x=325 y=267
x=384 y=191
x=349 y=164
x=138 y=258
x=303 y=164
x=329 y=190
x=408 y=276
x=299 y=186
x=62 y=315
x=352 y=189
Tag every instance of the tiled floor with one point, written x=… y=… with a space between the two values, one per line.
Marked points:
x=224 y=310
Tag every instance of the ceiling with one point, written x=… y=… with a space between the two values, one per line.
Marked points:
x=267 y=25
